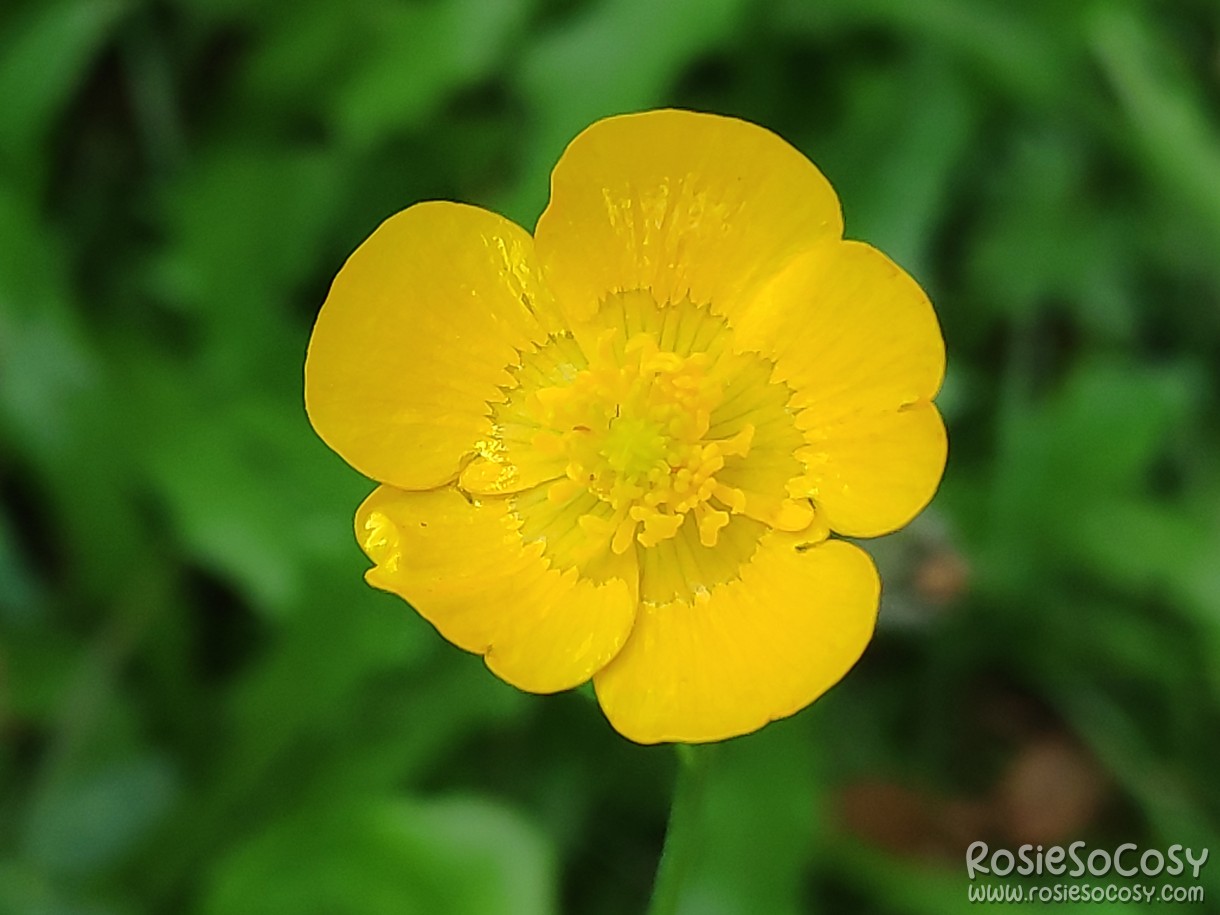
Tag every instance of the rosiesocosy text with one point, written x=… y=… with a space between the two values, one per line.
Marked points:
x=1077 y=859
x=1083 y=892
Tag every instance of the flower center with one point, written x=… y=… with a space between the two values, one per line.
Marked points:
x=634 y=446
x=633 y=430
x=644 y=430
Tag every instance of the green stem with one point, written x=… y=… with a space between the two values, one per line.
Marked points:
x=683 y=833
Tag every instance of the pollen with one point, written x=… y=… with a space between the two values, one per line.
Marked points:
x=649 y=433
x=633 y=431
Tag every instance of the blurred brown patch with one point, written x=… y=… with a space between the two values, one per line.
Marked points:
x=909 y=822
x=1051 y=791
x=941 y=577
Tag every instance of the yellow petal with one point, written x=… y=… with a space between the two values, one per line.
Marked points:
x=755 y=649
x=857 y=340
x=523 y=454
x=849 y=331
x=872 y=473
x=685 y=204
x=414 y=340
x=463 y=566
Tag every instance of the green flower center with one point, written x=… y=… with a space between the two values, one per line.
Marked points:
x=651 y=434
x=633 y=446
x=633 y=428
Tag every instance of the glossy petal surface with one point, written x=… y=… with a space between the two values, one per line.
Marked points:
x=756 y=649
x=858 y=341
x=463 y=566
x=684 y=204
x=415 y=337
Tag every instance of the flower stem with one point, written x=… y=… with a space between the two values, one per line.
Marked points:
x=683 y=833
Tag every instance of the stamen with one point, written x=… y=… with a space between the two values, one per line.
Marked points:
x=711 y=520
x=633 y=435
x=621 y=541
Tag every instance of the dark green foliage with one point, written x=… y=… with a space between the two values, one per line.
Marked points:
x=204 y=710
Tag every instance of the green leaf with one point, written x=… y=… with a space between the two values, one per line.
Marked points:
x=42 y=57
x=617 y=57
x=906 y=886
x=246 y=224
x=1065 y=463
x=25 y=891
x=417 y=57
x=20 y=591
x=760 y=822
x=84 y=823
x=46 y=363
x=56 y=403
x=391 y=857
x=1166 y=117
x=252 y=493
x=917 y=132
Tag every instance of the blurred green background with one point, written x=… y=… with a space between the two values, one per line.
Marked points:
x=204 y=710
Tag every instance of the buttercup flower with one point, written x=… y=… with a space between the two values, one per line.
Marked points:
x=620 y=449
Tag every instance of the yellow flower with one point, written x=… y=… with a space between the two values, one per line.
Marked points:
x=618 y=449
